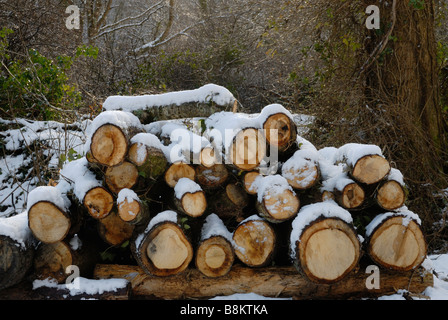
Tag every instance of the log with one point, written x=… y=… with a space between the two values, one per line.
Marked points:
x=177 y=171
x=110 y=136
x=123 y=176
x=273 y=282
x=366 y=163
x=254 y=242
x=131 y=209
x=396 y=241
x=324 y=244
x=280 y=130
x=49 y=216
x=163 y=249
x=302 y=174
x=276 y=200
x=77 y=178
x=248 y=149
x=146 y=154
x=248 y=182
x=17 y=249
x=208 y=157
x=201 y=102
x=99 y=202
x=113 y=230
x=349 y=195
x=53 y=260
x=214 y=255
x=229 y=203
x=212 y=177
x=189 y=198
x=391 y=193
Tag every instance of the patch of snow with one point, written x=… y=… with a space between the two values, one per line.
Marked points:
x=214 y=226
x=208 y=93
x=395 y=175
x=127 y=195
x=402 y=212
x=82 y=285
x=50 y=194
x=16 y=228
x=185 y=185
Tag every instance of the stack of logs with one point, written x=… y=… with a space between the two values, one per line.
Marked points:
x=127 y=192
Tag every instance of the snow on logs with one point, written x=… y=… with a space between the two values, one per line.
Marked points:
x=227 y=184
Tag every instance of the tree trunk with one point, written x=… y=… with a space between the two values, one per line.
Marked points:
x=407 y=77
x=281 y=133
x=254 y=242
x=396 y=243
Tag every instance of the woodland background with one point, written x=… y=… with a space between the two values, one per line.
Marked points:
x=387 y=87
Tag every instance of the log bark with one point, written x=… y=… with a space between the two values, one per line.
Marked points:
x=123 y=176
x=274 y=282
x=327 y=250
x=16 y=255
x=162 y=249
x=151 y=162
x=248 y=149
x=396 y=243
x=255 y=242
x=178 y=171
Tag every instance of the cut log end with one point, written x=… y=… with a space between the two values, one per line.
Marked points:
x=302 y=178
x=109 y=145
x=352 y=197
x=215 y=257
x=48 y=223
x=391 y=195
x=211 y=177
x=194 y=204
x=123 y=176
x=151 y=162
x=208 y=157
x=165 y=251
x=397 y=244
x=328 y=250
x=280 y=131
x=248 y=182
x=98 y=202
x=52 y=260
x=255 y=242
x=279 y=207
x=177 y=171
x=129 y=211
x=248 y=149
x=371 y=169
x=113 y=230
